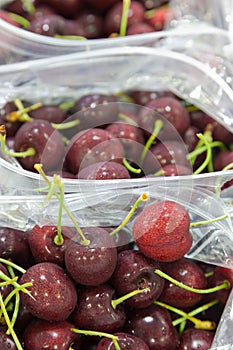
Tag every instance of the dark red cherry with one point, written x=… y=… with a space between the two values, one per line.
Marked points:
x=220 y=275
x=40 y=334
x=95 y=263
x=42 y=244
x=125 y=341
x=101 y=6
x=154 y=325
x=222 y=159
x=176 y=170
x=14 y=246
x=113 y=16
x=220 y=133
x=92 y=24
x=95 y=110
x=94 y=310
x=135 y=271
x=142 y=97
x=53 y=114
x=44 y=139
x=196 y=339
x=161 y=231
x=190 y=137
x=49 y=25
x=188 y=273
x=92 y=146
x=104 y=171
x=11 y=126
x=175 y=117
x=53 y=294
x=6 y=340
x=71 y=6
x=139 y=28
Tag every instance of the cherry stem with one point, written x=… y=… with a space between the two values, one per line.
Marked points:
x=130 y=167
x=11 y=264
x=18 y=103
x=29 y=152
x=120 y=300
x=127 y=119
x=207 y=222
x=143 y=198
x=21 y=115
x=197 y=151
x=157 y=127
x=208 y=160
x=84 y=240
x=150 y=13
x=58 y=239
x=28 y=6
x=124 y=17
x=196 y=311
x=98 y=334
x=66 y=105
x=199 y=324
x=159 y=173
x=66 y=125
x=20 y=20
x=8 y=322
x=225 y=285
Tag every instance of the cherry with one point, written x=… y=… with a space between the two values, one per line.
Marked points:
x=142 y=97
x=91 y=146
x=154 y=325
x=71 y=7
x=53 y=114
x=174 y=113
x=190 y=137
x=125 y=341
x=220 y=275
x=92 y=264
x=114 y=15
x=14 y=246
x=24 y=317
x=6 y=340
x=104 y=171
x=4 y=290
x=220 y=133
x=101 y=6
x=94 y=310
x=48 y=25
x=53 y=294
x=188 y=273
x=11 y=126
x=136 y=271
x=161 y=231
x=139 y=28
x=95 y=110
x=130 y=135
x=41 y=334
x=160 y=17
x=44 y=139
x=92 y=24
x=43 y=245
x=176 y=170
x=223 y=159
x=196 y=339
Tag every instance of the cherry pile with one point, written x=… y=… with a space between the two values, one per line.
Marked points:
x=73 y=288
x=127 y=135
x=89 y=19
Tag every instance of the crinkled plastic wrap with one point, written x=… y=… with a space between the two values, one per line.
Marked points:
x=106 y=203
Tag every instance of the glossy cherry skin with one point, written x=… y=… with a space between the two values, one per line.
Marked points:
x=92 y=264
x=49 y=25
x=94 y=310
x=14 y=246
x=135 y=271
x=188 y=273
x=95 y=110
x=44 y=139
x=125 y=341
x=161 y=231
x=53 y=114
x=6 y=340
x=153 y=324
x=196 y=339
x=43 y=247
x=11 y=127
x=220 y=275
x=222 y=159
x=104 y=171
x=176 y=119
x=40 y=334
x=71 y=6
x=53 y=293
x=91 y=146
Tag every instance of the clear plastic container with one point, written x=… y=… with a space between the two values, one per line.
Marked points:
x=106 y=203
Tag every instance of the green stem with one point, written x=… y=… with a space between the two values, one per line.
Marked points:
x=20 y=20
x=11 y=264
x=157 y=127
x=208 y=158
x=199 y=324
x=124 y=17
x=18 y=103
x=98 y=334
x=130 y=167
x=127 y=119
x=196 y=311
x=28 y=6
x=225 y=285
x=21 y=115
x=84 y=240
x=144 y=197
x=66 y=125
x=29 y=152
x=120 y=300
x=8 y=322
x=59 y=240
x=207 y=222
x=70 y=37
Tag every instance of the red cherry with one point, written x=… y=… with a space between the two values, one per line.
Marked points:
x=161 y=231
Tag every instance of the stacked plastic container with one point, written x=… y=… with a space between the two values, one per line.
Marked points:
x=182 y=59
